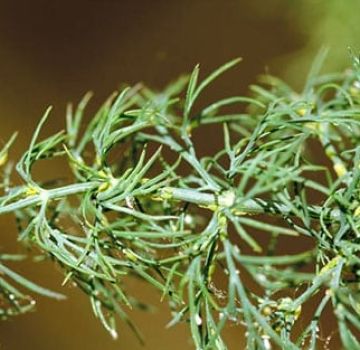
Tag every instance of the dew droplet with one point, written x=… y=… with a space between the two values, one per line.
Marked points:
x=113 y=334
x=198 y=320
x=266 y=341
x=188 y=219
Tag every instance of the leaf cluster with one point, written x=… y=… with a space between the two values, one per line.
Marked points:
x=204 y=230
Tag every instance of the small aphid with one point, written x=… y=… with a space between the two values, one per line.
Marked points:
x=302 y=111
x=31 y=191
x=340 y=169
x=104 y=186
x=130 y=255
x=357 y=211
x=330 y=265
x=267 y=311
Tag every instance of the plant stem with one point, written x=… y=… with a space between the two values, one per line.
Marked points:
x=55 y=193
x=248 y=206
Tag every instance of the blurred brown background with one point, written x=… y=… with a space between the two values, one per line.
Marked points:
x=52 y=52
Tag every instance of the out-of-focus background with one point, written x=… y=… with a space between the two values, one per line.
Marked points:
x=52 y=52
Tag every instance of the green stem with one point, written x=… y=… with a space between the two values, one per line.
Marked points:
x=55 y=193
x=248 y=206
x=226 y=200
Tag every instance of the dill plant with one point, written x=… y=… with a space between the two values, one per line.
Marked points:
x=190 y=225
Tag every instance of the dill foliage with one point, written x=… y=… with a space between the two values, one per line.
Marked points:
x=206 y=232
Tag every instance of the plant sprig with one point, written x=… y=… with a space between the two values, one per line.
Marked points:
x=184 y=223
